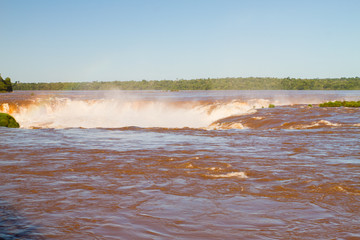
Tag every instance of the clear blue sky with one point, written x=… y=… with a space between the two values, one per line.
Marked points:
x=106 y=40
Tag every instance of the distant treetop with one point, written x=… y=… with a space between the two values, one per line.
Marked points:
x=5 y=85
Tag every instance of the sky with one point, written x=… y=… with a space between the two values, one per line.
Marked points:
x=122 y=40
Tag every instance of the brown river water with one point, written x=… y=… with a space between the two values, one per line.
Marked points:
x=180 y=165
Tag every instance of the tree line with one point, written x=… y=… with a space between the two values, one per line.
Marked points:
x=5 y=85
x=251 y=83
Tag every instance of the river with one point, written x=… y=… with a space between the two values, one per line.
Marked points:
x=180 y=165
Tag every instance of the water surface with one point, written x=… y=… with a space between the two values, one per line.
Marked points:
x=180 y=165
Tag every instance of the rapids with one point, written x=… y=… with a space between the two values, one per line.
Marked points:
x=116 y=109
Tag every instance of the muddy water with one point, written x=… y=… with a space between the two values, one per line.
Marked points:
x=183 y=165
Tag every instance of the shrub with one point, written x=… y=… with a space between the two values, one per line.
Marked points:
x=341 y=104
x=7 y=120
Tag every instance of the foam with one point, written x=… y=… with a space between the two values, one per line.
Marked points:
x=5 y=108
x=230 y=175
x=225 y=126
x=117 y=113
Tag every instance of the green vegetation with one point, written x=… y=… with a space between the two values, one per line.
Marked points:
x=204 y=84
x=5 y=85
x=341 y=104
x=7 y=120
x=271 y=105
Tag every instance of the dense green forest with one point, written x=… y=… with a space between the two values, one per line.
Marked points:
x=5 y=85
x=203 y=84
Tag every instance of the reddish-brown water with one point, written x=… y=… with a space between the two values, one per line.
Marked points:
x=180 y=165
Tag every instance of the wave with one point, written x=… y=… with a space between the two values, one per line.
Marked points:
x=230 y=175
x=294 y=117
x=315 y=124
x=225 y=126
x=57 y=112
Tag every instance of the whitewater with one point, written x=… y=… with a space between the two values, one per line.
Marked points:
x=116 y=109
